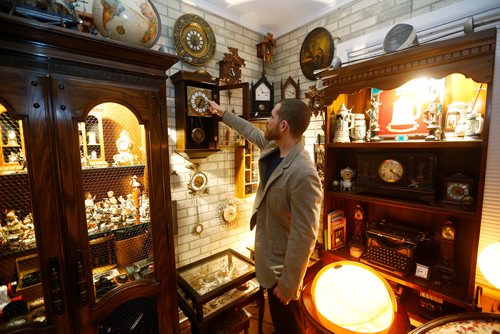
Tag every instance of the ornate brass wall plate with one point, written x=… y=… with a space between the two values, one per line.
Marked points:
x=316 y=52
x=194 y=39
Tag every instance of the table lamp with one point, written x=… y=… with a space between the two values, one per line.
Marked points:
x=351 y=297
x=488 y=264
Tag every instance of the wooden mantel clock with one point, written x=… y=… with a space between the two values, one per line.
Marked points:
x=196 y=128
x=230 y=67
x=290 y=89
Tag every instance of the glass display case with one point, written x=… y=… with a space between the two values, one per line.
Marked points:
x=218 y=283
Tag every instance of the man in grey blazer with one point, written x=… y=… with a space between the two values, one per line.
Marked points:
x=286 y=209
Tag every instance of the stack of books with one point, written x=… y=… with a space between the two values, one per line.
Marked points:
x=335 y=231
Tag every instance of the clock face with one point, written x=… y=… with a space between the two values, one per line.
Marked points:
x=198 y=182
x=290 y=92
x=262 y=93
x=456 y=190
x=198 y=101
x=390 y=170
x=448 y=233
x=194 y=39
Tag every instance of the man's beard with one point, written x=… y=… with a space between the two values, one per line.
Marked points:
x=271 y=134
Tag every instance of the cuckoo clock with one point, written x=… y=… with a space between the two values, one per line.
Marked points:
x=316 y=101
x=230 y=67
x=265 y=49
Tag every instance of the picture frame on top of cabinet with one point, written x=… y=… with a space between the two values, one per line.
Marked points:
x=406 y=112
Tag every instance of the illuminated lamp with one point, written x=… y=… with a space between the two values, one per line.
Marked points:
x=351 y=297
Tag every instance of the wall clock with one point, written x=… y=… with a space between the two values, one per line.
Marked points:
x=196 y=128
x=194 y=39
x=198 y=182
x=316 y=52
x=405 y=175
x=227 y=210
x=290 y=89
x=198 y=101
x=262 y=99
x=230 y=67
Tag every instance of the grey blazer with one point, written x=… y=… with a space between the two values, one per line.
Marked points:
x=286 y=212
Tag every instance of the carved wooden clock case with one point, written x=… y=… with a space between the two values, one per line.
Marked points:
x=196 y=128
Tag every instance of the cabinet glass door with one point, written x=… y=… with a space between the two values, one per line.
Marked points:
x=21 y=293
x=116 y=196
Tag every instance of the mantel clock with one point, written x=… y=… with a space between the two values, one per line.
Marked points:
x=290 y=89
x=262 y=99
x=404 y=175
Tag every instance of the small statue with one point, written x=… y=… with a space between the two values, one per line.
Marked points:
x=347 y=174
x=432 y=117
x=144 y=209
x=373 y=115
x=124 y=145
x=342 y=125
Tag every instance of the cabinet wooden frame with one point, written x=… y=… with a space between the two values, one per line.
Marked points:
x=55 y=78
x=473 y=56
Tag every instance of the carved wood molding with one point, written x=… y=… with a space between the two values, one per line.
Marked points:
x=471 y=55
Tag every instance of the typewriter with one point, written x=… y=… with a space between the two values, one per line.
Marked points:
x=391 y=247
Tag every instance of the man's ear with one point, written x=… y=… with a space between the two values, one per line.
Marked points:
x=283 y=125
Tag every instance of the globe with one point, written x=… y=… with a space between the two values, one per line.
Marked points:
x=131 y=21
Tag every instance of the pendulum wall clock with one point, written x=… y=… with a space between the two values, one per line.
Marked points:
x=196 y=128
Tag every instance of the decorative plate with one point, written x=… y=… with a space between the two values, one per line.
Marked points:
x=194 y=39
x=316 y=52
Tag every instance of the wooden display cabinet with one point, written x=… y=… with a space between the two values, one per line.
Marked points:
x=212 y=286
x=56 y=81
x=415 y=200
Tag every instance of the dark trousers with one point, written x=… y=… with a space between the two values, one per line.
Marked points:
x=287 y=319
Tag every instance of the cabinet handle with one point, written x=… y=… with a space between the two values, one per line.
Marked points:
x=55 y=286
x=81 y=283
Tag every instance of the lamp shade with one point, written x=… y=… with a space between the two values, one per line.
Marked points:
x=351 y=297
x=488 y=263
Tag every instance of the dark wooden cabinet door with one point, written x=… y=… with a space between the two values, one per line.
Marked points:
x=94 y=133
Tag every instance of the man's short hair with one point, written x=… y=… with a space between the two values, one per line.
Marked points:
x=296 y=113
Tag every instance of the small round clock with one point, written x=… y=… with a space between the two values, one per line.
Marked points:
x=228 y=212
x=198 y=182
x=390 y=170
x=448 y=232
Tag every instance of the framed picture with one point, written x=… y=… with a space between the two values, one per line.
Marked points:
x=339 y=233
x=316 y=52
x=409 y=109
